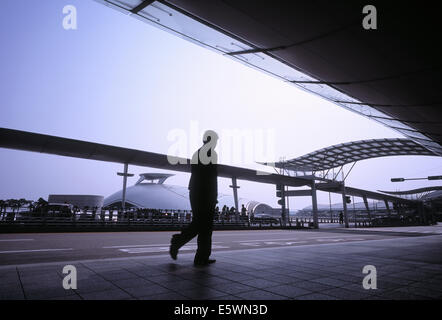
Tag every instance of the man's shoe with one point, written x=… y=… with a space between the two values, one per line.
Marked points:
x=173 y=250
x=204 y=263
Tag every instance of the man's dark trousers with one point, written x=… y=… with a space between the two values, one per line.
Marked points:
x=202 y=225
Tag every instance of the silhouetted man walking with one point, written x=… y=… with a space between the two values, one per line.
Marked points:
x=203 y=193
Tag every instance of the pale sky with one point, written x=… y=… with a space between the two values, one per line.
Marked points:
x=119 y=81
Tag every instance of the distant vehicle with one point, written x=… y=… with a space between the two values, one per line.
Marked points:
x=394 y=220
x=59 y=210
x=265 y=218
x=166 y=217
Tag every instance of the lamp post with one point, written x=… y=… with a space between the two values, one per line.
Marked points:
x=427 y=178
x=420 y=204
x=125 y=175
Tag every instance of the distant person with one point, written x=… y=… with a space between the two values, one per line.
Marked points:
x=216 y=213
x=203 y=193
x=243 y=211
x=224 y=212
x=341 y=218
x=232 y=213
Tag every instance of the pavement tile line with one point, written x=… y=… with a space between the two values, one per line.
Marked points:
x=34 y=250
x=122 y=289
x=393 y=233
x=21 y=283
x=147 y=245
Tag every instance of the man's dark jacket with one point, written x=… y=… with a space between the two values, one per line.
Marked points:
x=203 y=184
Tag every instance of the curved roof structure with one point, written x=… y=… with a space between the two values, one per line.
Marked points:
x=152 y=195
x=427 y=194
x=344 y=153
x=414 y=191
x=434 y=197
x=390 y=75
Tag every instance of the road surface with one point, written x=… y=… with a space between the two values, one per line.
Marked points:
x=31 y=248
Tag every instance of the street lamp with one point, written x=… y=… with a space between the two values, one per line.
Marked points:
x=125 y=175
x=427 y=178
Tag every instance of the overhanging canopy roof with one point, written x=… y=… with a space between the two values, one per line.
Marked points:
x=390 y=75
x=344 y=153
x=29 y=141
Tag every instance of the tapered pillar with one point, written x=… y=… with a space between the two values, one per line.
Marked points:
x=421 y=210
x=124 y=174
x=235 y=188
x=387 y=207
x=123 y=202
x=315 y=206
x=281 y=194
x=367 y=208
x=344 y=204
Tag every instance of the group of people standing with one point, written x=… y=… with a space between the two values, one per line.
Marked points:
x=230 y=214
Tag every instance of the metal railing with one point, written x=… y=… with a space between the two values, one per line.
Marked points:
x=117 y=219
x=154 y=219
x=364 y=219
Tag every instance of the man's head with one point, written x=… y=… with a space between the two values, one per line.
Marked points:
x=210 y=136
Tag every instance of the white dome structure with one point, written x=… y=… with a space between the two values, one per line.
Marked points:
x=150 y=191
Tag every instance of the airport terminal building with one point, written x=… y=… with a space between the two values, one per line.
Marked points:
x=150 y=191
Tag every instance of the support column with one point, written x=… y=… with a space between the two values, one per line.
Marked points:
x=344 y=204
x=433 y=213
x=331 y=213
x=235 y=188
x=367 y=208
x=354 y=211
x=123 y=203
x=125 y=174
x=421 y=210
x=280 y=193
x=315 y=205
x=387 y=207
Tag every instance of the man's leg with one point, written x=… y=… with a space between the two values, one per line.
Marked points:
x=204 y=245
x=187 y=234
x=205 y=228
x=180 y=239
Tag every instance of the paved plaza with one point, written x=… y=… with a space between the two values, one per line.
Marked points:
x=408 y=263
